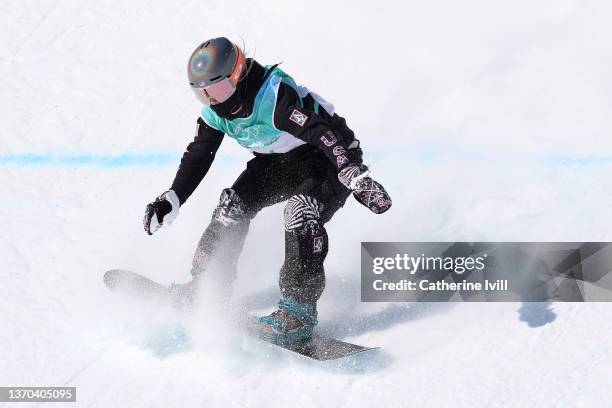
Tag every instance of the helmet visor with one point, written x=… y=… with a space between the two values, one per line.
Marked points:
x=216 y=93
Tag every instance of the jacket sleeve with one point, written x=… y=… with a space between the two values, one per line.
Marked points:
x=297 y=116
x=196 y=160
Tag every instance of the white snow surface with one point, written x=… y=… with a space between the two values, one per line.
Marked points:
x=486 y=120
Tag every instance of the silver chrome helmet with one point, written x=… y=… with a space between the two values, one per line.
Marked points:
x=214 y=70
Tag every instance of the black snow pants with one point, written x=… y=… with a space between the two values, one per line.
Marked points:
x=308 y=182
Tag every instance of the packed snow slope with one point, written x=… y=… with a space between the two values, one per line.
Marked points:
x=486 y=120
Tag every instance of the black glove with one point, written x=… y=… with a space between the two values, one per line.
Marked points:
x=161 y=212
x=366 y=190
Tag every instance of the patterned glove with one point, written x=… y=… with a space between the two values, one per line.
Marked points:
x=367 y=191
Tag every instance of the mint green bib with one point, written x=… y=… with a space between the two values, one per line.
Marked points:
x=256 y=130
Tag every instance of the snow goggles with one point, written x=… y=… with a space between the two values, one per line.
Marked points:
x=215 y=93
x=222 y=90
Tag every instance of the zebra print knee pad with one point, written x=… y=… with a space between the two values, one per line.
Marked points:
x=302 y=211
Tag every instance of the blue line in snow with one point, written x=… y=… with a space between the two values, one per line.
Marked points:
x=159 y=159
x=109 y=161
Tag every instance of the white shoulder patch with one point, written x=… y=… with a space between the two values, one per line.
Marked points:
x=298 y=117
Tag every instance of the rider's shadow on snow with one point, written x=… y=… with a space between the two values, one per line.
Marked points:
x=536 y=314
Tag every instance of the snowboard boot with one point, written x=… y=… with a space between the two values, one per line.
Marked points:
x=291 y=323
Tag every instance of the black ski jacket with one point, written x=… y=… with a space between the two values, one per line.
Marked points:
x=329 y=133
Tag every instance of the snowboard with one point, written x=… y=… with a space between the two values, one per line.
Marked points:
x=138 y=286
x=318 y=347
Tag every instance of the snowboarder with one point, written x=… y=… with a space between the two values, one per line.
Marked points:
x=305 y=154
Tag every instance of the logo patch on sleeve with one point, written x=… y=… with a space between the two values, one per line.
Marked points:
x=298 y=117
